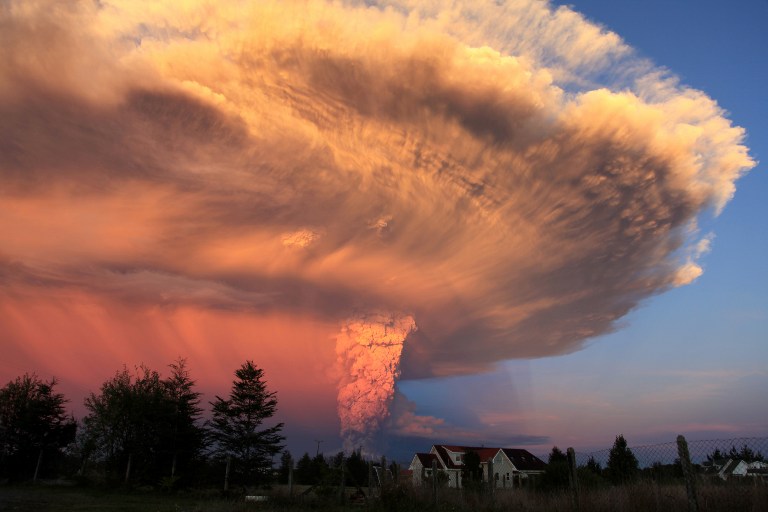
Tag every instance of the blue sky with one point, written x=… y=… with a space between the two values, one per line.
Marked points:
x=693 y=360
x=367 y=168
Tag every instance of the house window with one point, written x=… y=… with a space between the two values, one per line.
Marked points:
x=458 y=458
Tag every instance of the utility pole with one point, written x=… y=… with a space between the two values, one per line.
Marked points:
x=318 y=441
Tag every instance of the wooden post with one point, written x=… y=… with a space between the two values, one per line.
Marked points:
x=491 y=479
x=370 y=479
x=689 y=473
x=128 y=468
x=290 y=480
x=39 y=463
x=383 y=472
x=173 y=465
x=434 y=482
x=573 y=478
x=343 y=483
x=226 y=473
x=81 y=471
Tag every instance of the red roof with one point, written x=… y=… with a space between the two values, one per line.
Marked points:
x=442 y=449
x=522 y=459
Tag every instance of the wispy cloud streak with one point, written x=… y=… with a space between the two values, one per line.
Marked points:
x=456 y=162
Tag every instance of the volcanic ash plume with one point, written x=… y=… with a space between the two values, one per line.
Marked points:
x=506 y=172
x=368 y=355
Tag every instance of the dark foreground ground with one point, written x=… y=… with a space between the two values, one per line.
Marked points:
x=636 y=498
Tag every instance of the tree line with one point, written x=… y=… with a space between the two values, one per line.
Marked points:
x=623 y=467
x=141 y=428
x=325 y=471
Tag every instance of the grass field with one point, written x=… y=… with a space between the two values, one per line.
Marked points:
x=643 y=497
x=69 y=499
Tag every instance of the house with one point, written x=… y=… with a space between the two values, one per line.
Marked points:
x=758 y=469
x=511 y=467
x=514 y=466
x=421 y=466
x=727 y=468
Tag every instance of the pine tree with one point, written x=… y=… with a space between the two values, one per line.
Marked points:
x=186 y=437
x=622 y=465
x=593 y=465
x=237 y=425
x=357 y=469
x=557 y=455
x=556 y=474
x=286 y=465
x=304 y=473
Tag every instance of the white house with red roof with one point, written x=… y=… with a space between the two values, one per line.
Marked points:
x=512 y=467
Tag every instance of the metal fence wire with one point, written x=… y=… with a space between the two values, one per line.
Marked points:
x=706 y=456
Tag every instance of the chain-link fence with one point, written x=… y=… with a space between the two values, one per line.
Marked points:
x=706 y=455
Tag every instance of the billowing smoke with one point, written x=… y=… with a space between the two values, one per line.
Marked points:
x=457 y=161
x=368 y=350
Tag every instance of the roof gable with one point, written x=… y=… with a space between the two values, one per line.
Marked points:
x=425 y=459
x=524 y=460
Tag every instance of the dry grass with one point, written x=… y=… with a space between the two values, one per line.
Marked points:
x=640 y=497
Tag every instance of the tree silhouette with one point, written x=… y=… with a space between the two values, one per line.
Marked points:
x=304 y=473
x=186 y=438
x=746 y=454
x=622 y=465
x=357 y=469
x=237 y=425
x=32 y=424
x=557 y=455
x=286 y=465
x=556 y=474
x=594 y=466
x=472 y=474
x=130 y=421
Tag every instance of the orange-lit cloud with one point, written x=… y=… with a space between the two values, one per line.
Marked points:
x=310 y=160
x=368 y=350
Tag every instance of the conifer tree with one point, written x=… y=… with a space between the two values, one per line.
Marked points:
x=622 y=464
x=237 y=426
x=186 y=436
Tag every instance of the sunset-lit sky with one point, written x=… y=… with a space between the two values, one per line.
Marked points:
x=428 y=222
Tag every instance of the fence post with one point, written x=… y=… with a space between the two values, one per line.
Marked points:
x=128 y=469
x=688 y=472
x=434 y=482
x=343 y=483
x=226 y=473
x=573 y=478
x=491 y=479
x=39 y=463
x=370 y=479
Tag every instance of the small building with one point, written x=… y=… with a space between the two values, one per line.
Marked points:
x=735 y=468
x=512 y=467
x=515 y=467
x=421 y=467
